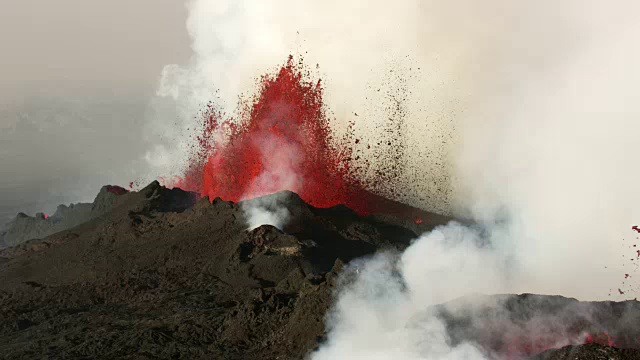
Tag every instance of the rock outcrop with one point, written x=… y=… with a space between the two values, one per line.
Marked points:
x=24 y=227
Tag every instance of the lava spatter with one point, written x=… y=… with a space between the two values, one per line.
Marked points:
x=629 y=285
x=281 y=140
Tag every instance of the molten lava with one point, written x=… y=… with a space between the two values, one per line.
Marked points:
x=281 y=141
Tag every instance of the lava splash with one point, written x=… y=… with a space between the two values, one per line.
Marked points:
x=282 y=140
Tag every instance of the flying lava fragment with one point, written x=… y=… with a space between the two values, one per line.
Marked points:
x=280 y=140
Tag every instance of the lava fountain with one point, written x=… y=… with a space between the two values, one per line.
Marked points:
x=281 y=140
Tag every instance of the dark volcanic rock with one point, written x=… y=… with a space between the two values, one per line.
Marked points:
x=162 y=275
x=527 y=324
x=24 y=227
x=589 y=352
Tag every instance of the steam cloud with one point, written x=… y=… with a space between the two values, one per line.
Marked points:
x=267 y=210
x=279 y=161
x=384 y=308
x=524 y=117
x=382 y=314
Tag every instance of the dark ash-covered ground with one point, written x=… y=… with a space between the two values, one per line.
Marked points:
x=162 y=276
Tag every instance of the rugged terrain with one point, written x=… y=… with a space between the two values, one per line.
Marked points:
x=161 y=274
x=23 y=227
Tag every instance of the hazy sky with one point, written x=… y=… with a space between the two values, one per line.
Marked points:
x=77 y=78
x=74 y=47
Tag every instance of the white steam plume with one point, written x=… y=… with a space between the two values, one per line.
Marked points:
x=266 y=210
x=384 y=309
x=549 y=153
x=279 y=161
x=383 y=313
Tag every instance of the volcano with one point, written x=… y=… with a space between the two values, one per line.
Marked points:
x=166 y=274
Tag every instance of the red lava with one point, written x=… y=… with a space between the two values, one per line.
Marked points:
x=600 y=338
x=281 y=141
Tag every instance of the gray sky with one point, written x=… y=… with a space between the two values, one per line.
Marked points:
x=77 y=78
x=73 y=47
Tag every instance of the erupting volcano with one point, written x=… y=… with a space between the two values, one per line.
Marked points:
x=281 y=140
x=217 y=289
